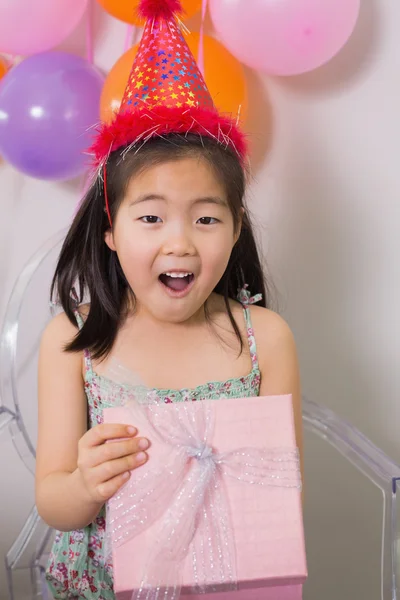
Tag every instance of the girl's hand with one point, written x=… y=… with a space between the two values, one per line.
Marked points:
x=105 y=467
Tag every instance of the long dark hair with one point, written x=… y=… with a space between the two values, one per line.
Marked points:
x=89 y=266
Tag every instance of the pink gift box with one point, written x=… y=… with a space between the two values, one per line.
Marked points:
x=267 y=522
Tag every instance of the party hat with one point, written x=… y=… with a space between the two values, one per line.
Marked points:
x=166 y=92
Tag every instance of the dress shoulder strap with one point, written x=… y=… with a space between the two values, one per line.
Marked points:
x=246 y=300
x=81 y=322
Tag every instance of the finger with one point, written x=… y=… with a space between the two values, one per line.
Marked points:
x=108 y=431
x=109 y=488
x=108 y=470
x=108 y=452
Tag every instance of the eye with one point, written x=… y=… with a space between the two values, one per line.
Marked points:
x=150 y=219
x=208 y=221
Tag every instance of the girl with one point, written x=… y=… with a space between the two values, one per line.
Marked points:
x=163 y=246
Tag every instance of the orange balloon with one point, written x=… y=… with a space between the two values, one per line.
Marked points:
x=115 y=85
x=3 y=67
x=127 y=10
x=224 y=76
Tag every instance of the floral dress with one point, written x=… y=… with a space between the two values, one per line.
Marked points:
x=77 y=567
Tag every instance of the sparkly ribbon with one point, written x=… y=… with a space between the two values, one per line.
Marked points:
x=187 y=500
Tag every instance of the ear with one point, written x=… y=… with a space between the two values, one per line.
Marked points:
x=239 y=227
x=109 y=239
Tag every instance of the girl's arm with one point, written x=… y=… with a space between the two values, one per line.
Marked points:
x=61 y=498
x=279 y=364
x=76 y=471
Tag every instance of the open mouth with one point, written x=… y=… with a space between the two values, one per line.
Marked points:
x=176 y=282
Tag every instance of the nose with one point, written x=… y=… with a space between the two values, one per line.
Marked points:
x=179 y=243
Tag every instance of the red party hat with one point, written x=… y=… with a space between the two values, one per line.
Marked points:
x=166 y=92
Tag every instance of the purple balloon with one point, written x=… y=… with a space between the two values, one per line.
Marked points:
x=48 y=106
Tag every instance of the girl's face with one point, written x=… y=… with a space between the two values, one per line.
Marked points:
x=173 y=234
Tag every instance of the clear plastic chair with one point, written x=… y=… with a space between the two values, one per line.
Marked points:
x=337 y=458
x=367 y=467
x=29 y=553
x=29 y=550
x=11 y=417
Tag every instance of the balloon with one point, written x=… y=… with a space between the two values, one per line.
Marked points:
x=3 y=71
x=223 y=73
x=115 y=84
x=127 y=10
x=47 y=104
x=286 y=37
x=3 y=67
x=38 y=25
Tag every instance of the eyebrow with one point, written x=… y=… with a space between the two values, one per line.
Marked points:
x=146 y=198
x=216 y=200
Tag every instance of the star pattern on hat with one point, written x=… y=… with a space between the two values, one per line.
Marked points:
x=165 y=72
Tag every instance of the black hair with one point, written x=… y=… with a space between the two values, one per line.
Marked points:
x=87 y=264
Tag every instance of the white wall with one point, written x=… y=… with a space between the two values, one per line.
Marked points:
x=327 y=198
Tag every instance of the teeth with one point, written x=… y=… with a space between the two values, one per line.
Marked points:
x=178 y=275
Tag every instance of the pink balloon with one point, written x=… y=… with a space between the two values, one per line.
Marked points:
x=284 y=37
x=32 y=26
